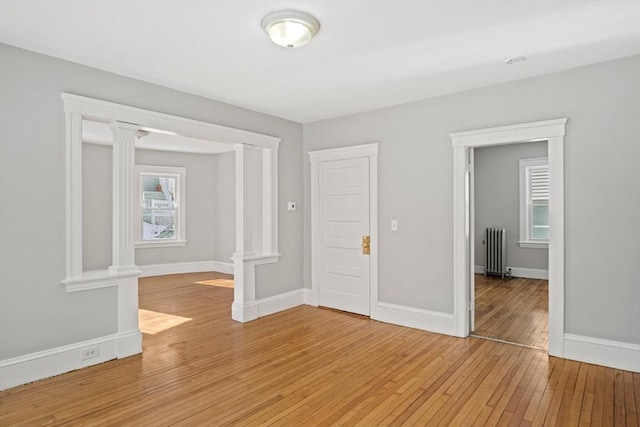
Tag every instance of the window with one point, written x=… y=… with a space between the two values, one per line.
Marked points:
x=534 y=203
x=161 y=206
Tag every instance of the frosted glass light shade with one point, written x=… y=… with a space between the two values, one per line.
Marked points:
x=290 y=28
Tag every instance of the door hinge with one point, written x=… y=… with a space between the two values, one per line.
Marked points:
x=472 y=306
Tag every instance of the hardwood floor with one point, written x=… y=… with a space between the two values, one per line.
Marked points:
x=308 y=366
x=514 y=310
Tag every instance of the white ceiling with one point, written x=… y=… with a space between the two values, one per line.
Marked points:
x=367 y=55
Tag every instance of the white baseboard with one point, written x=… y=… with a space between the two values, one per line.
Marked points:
x=265 y=306
x=48 y=363
x=310 y=297
x=223 y=267
x=527 y=273
x=613 y=354
x=185 y=267
x=432 y=321
x=280 y=302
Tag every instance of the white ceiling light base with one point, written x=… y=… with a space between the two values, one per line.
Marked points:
x=290 y=28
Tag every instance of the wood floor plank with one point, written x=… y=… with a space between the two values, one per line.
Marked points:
x=513 y=310
x=317 y=367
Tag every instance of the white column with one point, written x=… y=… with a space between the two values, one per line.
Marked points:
x=270 y=201
x=248 y=198
x=124 y=137
x=123 y=262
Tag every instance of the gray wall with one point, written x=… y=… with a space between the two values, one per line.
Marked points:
x=602 y=233
x=497 y=201
x=96 y=206
x=210 y=209
x=201 y=198
x=36 y=313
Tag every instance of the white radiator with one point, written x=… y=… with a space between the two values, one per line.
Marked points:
x=496 y=252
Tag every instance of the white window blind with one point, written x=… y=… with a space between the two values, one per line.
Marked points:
x=534 y=202
x=539 y=183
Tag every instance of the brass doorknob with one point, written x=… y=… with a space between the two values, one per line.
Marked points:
x=365 y=245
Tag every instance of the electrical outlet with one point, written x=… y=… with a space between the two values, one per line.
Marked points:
x=90 y=353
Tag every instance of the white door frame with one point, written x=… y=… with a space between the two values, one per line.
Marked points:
x=553 y=131
x=344 y=153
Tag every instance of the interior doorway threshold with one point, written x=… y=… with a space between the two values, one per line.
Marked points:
x=508 y=342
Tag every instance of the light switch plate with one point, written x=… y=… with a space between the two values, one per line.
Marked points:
x=394 y=225
x=291 y=206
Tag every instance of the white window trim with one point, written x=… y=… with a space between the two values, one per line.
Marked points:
x=180 y=174
x=525 y=239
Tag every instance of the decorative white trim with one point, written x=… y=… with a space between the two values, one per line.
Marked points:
x=525 y=132
x=532 y=244
x=463 y=142
x=185 y=267
x=269 y=305
x=280 y=302
x=78 y=108
x=343 y=153
x=432 y=321
x=97 y=279
x=161 y=244
x=259 y=259
x=223 y=267
x=310 y=297
x=48 y=363
x=613 y=354
x=123 y=163
x=244 y=312
x=100 y=110
x=527 y=273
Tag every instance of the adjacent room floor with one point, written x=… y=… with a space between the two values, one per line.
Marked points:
x=514 y=310
x=308 y=366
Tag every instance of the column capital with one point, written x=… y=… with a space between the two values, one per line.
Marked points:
x=124 y=125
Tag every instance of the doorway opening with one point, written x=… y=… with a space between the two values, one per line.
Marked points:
x=509 y=204
x=463 y=144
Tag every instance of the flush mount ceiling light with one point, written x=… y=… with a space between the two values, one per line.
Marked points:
x=515 y=60
x=290 y=28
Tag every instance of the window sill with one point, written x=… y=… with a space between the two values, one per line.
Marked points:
x=533 y=244
x=172 y=243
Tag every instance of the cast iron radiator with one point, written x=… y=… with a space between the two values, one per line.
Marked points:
x=496 y=252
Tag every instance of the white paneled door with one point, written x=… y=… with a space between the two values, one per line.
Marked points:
x=343 y=225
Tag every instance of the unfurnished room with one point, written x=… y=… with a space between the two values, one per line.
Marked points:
x=323 y=212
